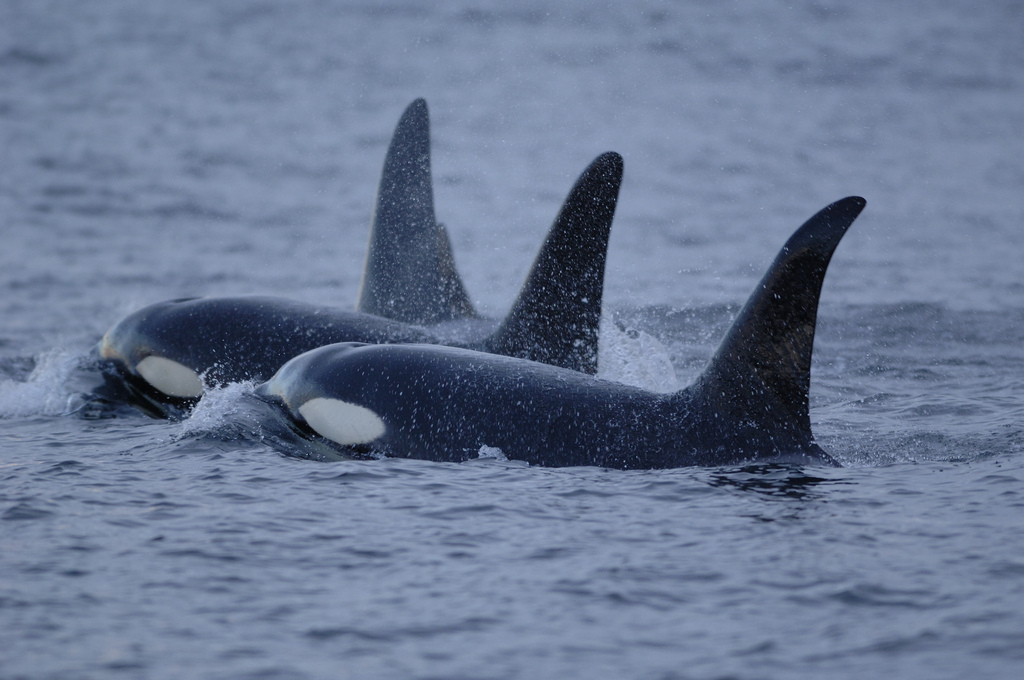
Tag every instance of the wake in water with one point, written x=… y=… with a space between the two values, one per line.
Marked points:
x=220 y=411
x=45 y=390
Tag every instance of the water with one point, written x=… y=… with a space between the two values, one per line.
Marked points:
x=153 y=151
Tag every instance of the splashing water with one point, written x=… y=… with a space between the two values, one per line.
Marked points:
x=635 y=358
x=220 y=410
x=491 y=452
x=45 y=391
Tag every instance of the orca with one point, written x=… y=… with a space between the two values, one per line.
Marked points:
x=750 y=404
x=410 y=274
x=161 y=358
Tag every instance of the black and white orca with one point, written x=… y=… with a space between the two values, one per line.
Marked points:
x=161 y=358
x=449 y=404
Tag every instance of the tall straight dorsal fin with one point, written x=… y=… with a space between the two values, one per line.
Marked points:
x=409 y=273
x=555 y=318
x=761 y=373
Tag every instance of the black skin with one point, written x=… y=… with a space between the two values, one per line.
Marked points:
x=410 y=284
x=750 y=403
x=444 y=404
x=554 y=319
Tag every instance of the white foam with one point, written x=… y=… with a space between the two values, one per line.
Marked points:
x=491 y=452
x=635 y=358
x=45 y=391
x=342 y=422
x=219 y=408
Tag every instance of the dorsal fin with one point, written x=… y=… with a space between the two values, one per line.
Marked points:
x=761 y=373
x=453 y=291
x=555 y=318
x=409 y=273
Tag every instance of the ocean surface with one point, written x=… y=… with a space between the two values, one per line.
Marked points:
x=158 y=150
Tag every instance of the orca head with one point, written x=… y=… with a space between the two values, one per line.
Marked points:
x=315 y=400
x=152 y=364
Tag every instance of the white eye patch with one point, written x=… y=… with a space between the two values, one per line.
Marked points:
x=170 y=377
x=341 y=422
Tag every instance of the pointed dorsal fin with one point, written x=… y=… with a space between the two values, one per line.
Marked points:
x=409 y=273
x=761 y=373
x=555 y=318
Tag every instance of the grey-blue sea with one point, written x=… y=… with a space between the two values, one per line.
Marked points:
x=157 y=150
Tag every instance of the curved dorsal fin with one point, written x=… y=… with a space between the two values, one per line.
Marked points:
x=761 y=373
x=410 y=274
x=556 y=316
x=454 y=299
